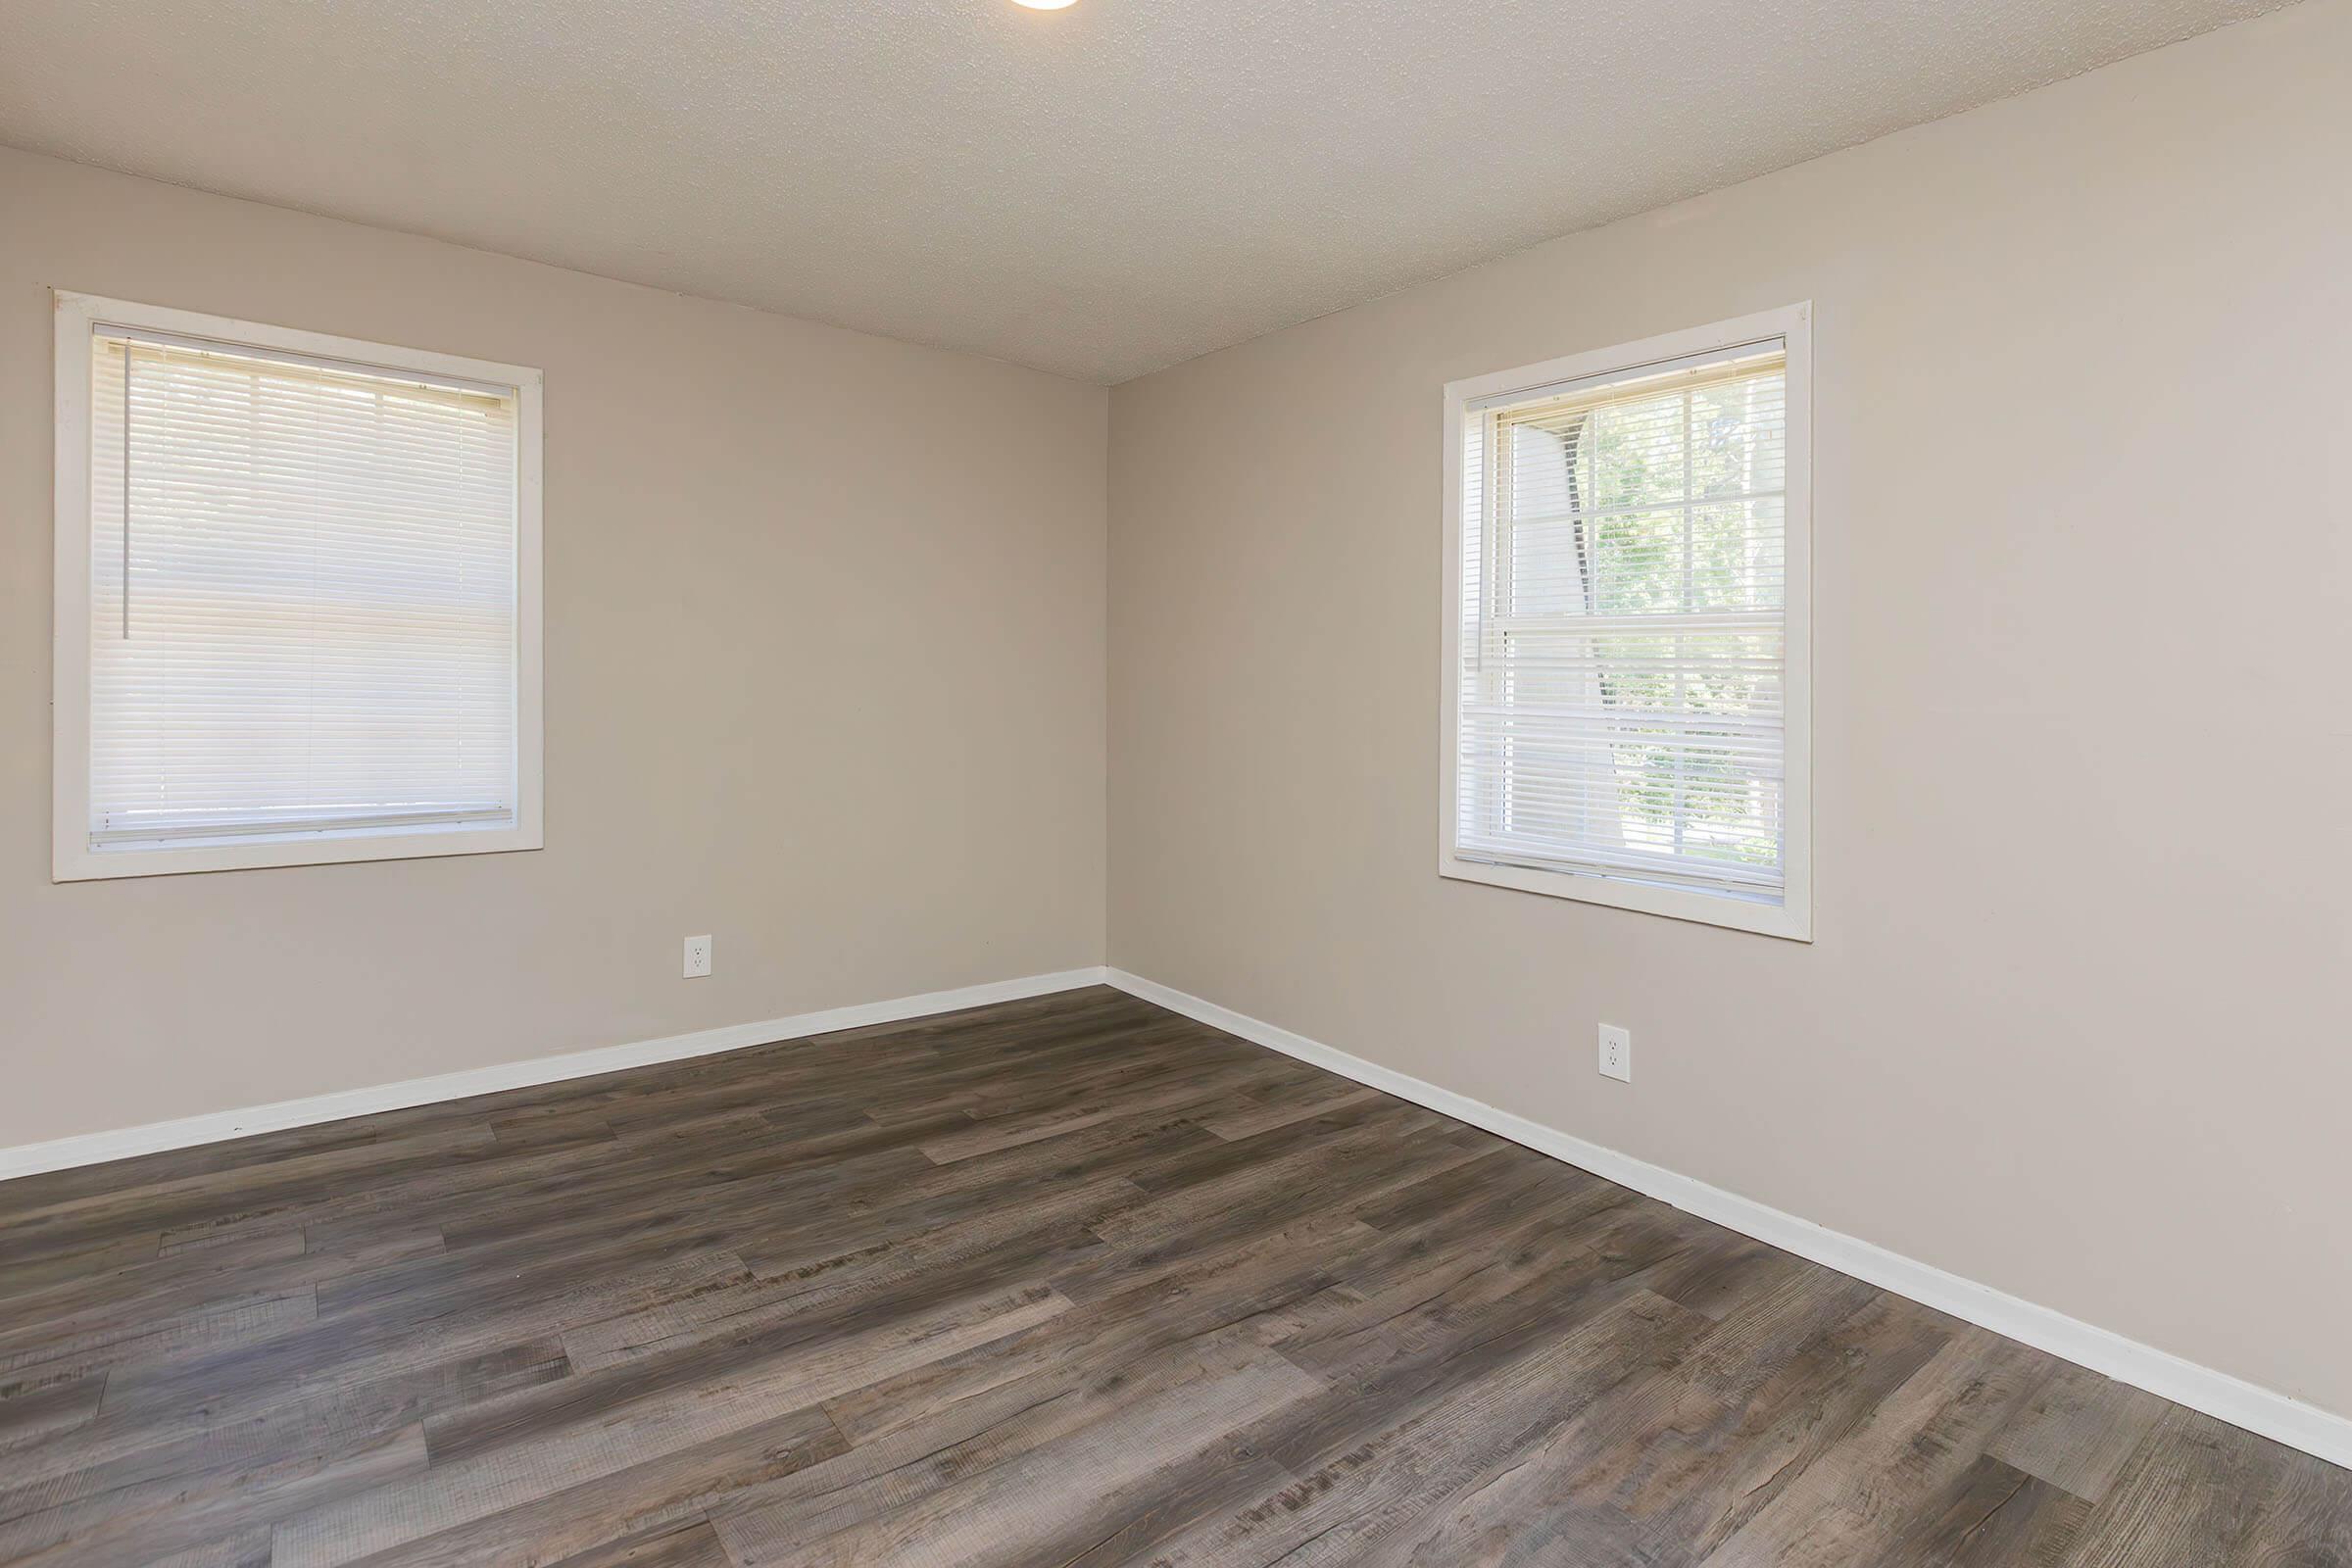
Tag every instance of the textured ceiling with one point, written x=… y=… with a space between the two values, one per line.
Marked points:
x=1100 y=191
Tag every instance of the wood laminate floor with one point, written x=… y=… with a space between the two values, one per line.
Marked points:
x=1070 y=1281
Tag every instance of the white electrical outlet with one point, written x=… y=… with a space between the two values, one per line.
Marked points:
x=698 y=956
x=1616 y=1053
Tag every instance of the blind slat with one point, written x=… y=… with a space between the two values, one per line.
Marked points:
x=303 y=597
x=1620 y=699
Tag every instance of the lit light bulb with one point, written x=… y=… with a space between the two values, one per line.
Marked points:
x=1045 y=5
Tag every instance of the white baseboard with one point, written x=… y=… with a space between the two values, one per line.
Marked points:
x=91 y=1148
x=2257 y=1409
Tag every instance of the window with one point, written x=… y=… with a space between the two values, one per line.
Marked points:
x=297 y=597
x=1627 y=682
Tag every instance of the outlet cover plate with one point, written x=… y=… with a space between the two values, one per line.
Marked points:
x=1616 y=1053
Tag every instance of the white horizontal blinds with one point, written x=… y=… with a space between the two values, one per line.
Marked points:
x=1623 y=645
x=303 y=598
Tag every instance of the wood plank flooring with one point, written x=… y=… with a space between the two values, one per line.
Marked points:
x=1070 y=1281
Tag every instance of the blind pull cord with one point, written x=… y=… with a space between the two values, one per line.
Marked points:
x=129 y=359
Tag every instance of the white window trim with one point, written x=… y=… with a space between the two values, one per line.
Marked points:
x=1793 y=919
x=73 y=858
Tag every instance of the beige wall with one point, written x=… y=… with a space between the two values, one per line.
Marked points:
x=824 y=678
x=2074 y=1024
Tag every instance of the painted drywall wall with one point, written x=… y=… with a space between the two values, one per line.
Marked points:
x=2073 y=1023
x=824 y=678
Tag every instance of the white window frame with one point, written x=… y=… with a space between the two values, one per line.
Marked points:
x=78 y=314
x=1793 y=919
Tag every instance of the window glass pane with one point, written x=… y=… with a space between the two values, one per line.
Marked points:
x=304 y=599
x=1623 y=646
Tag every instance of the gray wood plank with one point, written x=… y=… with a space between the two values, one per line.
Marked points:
x=1071 y=1280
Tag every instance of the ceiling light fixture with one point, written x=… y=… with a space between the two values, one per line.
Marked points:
x=1045 y=5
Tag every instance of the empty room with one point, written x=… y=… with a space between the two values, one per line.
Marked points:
x=985 y=783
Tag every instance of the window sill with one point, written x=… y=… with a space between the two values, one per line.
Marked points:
x=1791 y=921
x=80 y=863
